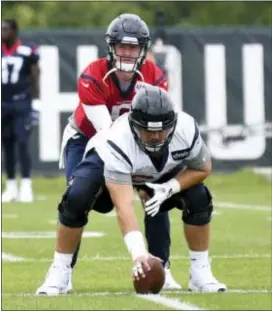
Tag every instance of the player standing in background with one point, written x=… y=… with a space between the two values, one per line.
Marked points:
x=106 y=88
x=156 y=149
x=20 y=84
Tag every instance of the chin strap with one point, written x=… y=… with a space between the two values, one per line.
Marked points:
x=108 y=73
x=115 y=69
x=140 y=74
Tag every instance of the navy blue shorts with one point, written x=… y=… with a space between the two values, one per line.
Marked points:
x=74 y=152
x=16 y=120
x=92 y=168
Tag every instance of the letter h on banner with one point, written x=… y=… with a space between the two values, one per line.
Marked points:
x=52 y=102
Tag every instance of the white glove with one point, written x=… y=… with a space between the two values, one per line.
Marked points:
x=161 y=193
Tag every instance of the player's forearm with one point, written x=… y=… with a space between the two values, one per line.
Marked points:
x=197 y=169
x=98 y=115
x=190 y=177
x=123 y=197
x=126 y=218
x=133 y=237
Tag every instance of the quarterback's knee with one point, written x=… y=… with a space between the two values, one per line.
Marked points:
x=75 y=204
x=198 y=206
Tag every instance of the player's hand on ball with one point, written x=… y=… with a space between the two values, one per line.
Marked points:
x=140 y=265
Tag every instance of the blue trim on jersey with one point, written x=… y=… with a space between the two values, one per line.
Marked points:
x=120 y=151
x=184 y=153
x=195 y=136
x=159 y=80
x=92 y=79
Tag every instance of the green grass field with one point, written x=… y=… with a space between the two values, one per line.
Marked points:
x=240 y=248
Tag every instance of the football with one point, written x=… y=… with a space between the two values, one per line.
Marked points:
x=154 y=279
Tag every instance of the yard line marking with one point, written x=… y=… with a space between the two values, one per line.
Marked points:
x=216 y=213
x=172 y=303
x=250 y=291
x=177 y=257
x=45 y=235
x=229 y=291
x=12 y=258
x=9 y=216
x=243 y=206
x=40 y=197
x=130 y=293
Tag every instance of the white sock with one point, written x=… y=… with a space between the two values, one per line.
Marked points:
x=63 y=259
x=26 y=182
x=11 y=184
x=199 y=258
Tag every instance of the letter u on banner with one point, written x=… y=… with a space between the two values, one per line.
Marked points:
x=252 y=147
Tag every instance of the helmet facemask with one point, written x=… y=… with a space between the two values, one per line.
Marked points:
x=153 y=147
x=127 y=29
x=117 y=59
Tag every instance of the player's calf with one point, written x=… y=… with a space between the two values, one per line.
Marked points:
x=197 y=216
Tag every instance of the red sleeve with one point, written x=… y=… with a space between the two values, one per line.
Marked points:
x=160 y=78
x=90 y=87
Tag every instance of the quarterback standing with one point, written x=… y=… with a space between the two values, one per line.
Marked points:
x=106 y=88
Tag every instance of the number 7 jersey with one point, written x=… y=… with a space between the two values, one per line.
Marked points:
x=95 y=89
x=16 y=67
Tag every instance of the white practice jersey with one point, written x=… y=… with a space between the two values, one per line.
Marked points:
x=121 y=154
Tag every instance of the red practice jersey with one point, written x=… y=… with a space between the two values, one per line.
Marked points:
x=92 y=90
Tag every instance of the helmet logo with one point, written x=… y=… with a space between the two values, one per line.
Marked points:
x=129 y=40
x=140 y=84
x=154 y=126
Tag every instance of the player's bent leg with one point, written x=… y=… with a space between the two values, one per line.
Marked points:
x=157 y=232
x=73 y=211
x=79 y=197
x=73 y=155
x=102 y=205
x=196 y=217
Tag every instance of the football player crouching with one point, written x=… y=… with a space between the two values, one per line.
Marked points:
x=151 y=140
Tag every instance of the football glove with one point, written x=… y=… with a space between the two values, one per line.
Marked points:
x=161 y=193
